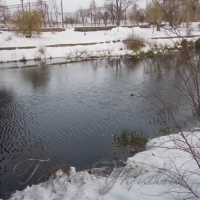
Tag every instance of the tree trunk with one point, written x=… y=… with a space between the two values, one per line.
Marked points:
x=157 y=27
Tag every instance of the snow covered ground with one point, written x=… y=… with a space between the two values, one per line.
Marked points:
x=108 y=43
x=166 y=170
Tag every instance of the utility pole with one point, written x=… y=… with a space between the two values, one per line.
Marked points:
x=29 y=6
x=4 y=17
x=62 y=13
x=146 y=5
x=22 y=6
x=47 y=11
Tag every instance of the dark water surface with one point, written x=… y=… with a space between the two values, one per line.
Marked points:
x=69 y=113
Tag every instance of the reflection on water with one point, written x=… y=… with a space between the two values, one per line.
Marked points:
x=37 y=76
x=69 y=113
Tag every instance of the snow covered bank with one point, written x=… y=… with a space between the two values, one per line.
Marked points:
x=106 y=45
x=109 y=43
x=168 y=169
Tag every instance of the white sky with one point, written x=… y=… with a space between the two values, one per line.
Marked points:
x=69 y=5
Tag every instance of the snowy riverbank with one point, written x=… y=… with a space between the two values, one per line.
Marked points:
x=166 y=170
x=72 y=45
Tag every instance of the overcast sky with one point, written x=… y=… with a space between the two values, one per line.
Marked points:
x=69 y=5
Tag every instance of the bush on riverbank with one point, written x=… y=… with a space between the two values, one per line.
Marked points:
x=197 y=43
x=184 y=43
x=137 y=141
x=134 y=43
x=187 y=44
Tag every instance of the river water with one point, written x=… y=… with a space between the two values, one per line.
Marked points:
x=69 y=113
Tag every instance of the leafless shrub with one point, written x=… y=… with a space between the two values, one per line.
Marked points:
x=8 y=38
x=69 y=55
x=38 y=58
x=83 y=52
x=42 y=50
x=77 y=53
x=23 y=59
x=134 y=43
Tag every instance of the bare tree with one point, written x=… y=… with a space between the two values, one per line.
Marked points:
x=176 y=11
x=70 y=18
x=66 y=19
x=76 y=17
x=1 y=9
x=105 y=17
x=109 y=7
x=93 y=12
x=187 y=7
x=54 y=13
x=133 y=15
x=120 y=8
x=4 y=12
x=83 y=15
x=99 y=15
x=42 y=7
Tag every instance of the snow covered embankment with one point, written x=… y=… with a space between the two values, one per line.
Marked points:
x=75 y=45
x=72 y=45
x=168 y=169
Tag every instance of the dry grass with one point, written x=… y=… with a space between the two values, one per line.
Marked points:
x=134 y=43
